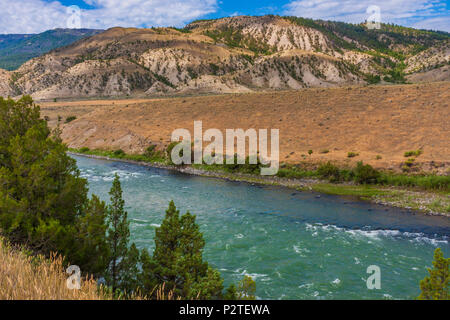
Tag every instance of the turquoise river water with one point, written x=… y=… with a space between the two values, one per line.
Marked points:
x=295 y=245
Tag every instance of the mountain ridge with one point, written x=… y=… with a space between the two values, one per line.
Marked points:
x=235 y=54
x=15 y=49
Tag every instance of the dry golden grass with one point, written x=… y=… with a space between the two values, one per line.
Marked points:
x=162 y=295
x=35 y=278
x=25 y=277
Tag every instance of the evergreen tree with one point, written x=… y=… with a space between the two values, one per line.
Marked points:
x=130 y=281
x=177 y=260
x=118 y=236
x=43 y=199
x=230 y=293
x=436 y=285
x=92 y=250
x=41 y=194
x=246 y=289
x=123 y=273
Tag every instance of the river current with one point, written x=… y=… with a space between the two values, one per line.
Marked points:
x=295 y=245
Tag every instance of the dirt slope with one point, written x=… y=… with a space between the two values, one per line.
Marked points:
x=371 y=121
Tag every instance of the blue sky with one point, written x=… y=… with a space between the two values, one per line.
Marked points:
x=224 y=7
x=32 y=16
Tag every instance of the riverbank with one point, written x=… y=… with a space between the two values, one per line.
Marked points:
x=429 y=202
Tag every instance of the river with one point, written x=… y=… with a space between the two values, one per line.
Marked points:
x=295 y=245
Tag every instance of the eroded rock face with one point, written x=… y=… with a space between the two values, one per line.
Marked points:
x=5 y=84
x=239 y=54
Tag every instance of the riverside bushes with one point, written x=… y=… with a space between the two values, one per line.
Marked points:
x=364 y=174
x=430 y=182
x=330 y=172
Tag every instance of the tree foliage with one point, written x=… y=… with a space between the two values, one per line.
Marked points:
x=122 y=271
x=436 y=285
x=177 y=260
x=43 y=200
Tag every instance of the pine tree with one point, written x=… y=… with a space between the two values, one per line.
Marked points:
x=436 y=285
x=43 y=200
x=41 y=193
x=118 y=236
x=177 y=260
x=92 y=251
x=246 y=289
x=230 y=293
x=130 y=281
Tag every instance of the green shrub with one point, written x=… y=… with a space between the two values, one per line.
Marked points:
x=170 y=148
x=84 y=149
x=426 y=182
x=372 y=79
x=119 y=153
x=410 y=162
x=151 y=151
x=172 y=145
x=365 y=174
x=329 y=171
x=415 y=153
x=352 y=154
x=250 y=168
x=294 y=172
x=70 y=119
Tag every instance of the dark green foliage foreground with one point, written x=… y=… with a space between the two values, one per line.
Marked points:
x=436 y=285
x=43 y=201
x=177 y=260
x=44 y=205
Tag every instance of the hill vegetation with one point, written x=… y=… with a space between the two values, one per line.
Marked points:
x=238 y=54
x=15 y=49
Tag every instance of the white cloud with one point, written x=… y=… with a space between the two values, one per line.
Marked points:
x=33 y=16
x=438 y=23
x=404 y=12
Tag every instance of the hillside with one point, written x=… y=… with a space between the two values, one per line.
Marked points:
x=384 y=121
x=15 y=49
x=239 y=54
